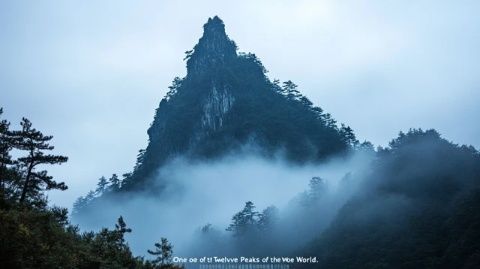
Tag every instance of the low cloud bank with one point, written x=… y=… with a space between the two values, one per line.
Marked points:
x=210 y=193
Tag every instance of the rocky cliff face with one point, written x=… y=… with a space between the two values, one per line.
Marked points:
x=226 y=101
x=215 y=107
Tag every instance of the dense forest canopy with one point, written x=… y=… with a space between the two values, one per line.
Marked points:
x=419 y=208
x=36 y=235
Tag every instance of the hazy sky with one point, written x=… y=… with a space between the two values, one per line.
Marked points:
x=91 y=73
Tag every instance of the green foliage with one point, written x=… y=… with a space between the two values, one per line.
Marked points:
x=35 y=144
x=163 y=253
x=250 y=232
x=33 y=235
x=114 y=182
x=249 y=223
x=20 y=180
x=110 y=247
x=101 y=185
x=244 y=221
x=420 y=210
x=43 y=238
x=348 y=135
x=34 y=238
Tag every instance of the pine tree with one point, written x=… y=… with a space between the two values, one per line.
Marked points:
x=79 y=204
x=305 y=101
x=290 y=90
x=176 y=84
x=121 y=229
x=163 y=253
x=90 y=196
x=140 y=159
x=244 y=221
x=276 y=86
x=36 y=144
x=348 y=135
x=329 y=121
x=114 y=182
x=101 y=185
x=188 y=54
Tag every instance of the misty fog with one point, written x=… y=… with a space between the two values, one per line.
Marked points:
x=199 y=193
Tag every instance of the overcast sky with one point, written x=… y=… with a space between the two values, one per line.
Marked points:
x=91 y=73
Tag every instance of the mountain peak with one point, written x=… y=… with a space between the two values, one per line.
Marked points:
x=226 y=103
x=214 y=48
x=214 y=24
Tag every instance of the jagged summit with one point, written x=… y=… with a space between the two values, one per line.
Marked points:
x=214 y=48
x=214 y=25
x=226 y=102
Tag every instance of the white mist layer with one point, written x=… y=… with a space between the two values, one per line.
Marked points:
x=203 y=193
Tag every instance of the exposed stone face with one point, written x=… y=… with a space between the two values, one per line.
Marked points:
x=217 y=104
x=213 y=50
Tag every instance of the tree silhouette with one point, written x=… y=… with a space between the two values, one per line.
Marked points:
x=114 y=182
x=348 y=135
x=244 y=221
x=163 y=252
x=36 y=144
x=101 y=185
x=290 y=90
